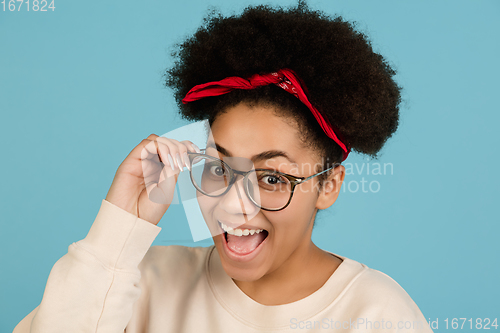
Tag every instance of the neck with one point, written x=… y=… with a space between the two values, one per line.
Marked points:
x=303 y=273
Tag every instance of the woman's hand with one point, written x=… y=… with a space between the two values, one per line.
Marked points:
x=145 y=181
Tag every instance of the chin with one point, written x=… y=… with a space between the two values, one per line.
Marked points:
x=240 y=271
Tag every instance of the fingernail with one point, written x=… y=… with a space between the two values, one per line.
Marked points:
x=179 y=162
x=171 y=162
x=196 y=148
x=186 y=160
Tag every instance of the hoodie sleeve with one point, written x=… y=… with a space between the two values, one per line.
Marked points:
x=93 y=287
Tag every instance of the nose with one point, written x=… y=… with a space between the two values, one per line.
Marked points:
x=236 y=201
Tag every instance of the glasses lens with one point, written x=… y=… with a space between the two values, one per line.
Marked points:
x=209 y=175
x=270 y=190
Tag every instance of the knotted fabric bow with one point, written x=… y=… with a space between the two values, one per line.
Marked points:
x=284 y=78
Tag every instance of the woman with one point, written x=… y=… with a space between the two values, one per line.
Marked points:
x=287 y=93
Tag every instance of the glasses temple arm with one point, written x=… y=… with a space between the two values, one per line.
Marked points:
x=319 y=173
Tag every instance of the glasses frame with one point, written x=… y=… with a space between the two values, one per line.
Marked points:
x=294 y=180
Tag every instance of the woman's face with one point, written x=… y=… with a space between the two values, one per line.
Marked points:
x=245 y=132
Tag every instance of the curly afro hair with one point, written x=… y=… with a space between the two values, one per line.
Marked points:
x=349 y=83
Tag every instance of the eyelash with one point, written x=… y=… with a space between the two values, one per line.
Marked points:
x=278 y=177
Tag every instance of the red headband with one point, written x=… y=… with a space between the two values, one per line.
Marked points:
x=284 y=78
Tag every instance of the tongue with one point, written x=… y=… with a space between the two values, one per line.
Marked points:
x=245 y=244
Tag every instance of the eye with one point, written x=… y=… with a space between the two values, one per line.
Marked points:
x=273 y=179
x=217 y=170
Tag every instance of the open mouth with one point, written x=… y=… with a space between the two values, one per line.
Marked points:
x=243 y=241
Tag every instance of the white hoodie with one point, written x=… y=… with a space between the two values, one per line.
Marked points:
x=114 y=281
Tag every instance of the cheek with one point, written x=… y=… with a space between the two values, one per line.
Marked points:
x=302 y=206
x=304 y=200
x=292 y=223
x=307 y=191
x=207 y=205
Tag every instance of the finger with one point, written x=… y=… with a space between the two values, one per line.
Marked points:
x=191 y=146
x=149 y=149
x=178 y=151
x=165 y=155
x=155 y=161
x=171 y=148
x=145 y=143
x=163 y=192
x=183 y=147
x=175 y=150
x=182 y=155
x=168 y=172
x=166 y=175
x=157 y=195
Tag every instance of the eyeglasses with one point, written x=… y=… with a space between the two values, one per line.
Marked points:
x=267 y=189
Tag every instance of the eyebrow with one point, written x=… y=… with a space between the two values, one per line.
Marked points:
x=268 y=154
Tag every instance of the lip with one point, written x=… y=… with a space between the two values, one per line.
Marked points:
x=240 y=257
x=241 y=226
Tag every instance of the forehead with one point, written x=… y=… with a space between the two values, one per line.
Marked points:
x=246 y=131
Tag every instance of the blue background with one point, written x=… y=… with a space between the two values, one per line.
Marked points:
x=81 y=86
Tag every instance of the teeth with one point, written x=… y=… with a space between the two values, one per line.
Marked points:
x=239 y=232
